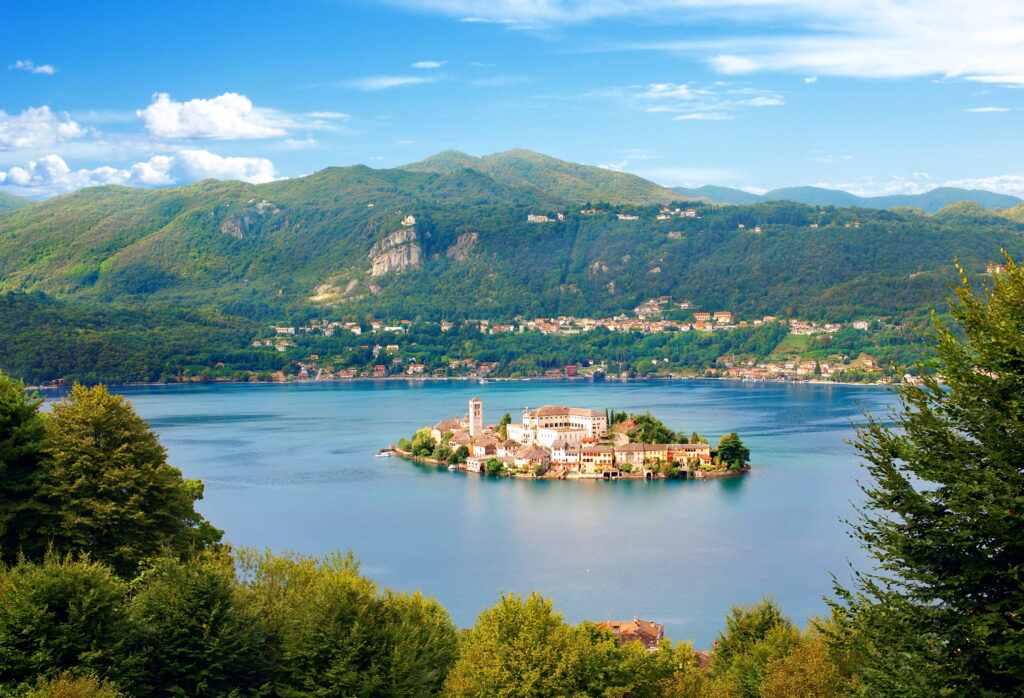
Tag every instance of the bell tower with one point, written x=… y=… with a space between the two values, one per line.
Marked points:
x=476 y=417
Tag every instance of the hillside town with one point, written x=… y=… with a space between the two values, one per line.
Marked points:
x=558 y=442
x=393 y=357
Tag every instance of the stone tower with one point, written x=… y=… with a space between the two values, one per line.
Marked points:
x=476 y=417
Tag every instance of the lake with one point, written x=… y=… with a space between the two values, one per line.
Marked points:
x=292 y=467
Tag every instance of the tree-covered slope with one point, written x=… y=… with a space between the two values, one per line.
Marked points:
x=565 y=182
x=10 y=202
x=340 y=240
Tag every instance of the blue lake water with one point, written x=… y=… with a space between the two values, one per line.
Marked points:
x=291 y=467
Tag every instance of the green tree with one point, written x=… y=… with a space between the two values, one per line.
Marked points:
x=329 y=633
x=522 y=647
x=494 y=466
x=69 y=685
x=109 y=490
x=423 y=443
x=731 y=452
x=189 y=635
x=56 y=615
x=941 y=613
x=745 y=628
x=503 y=423
x=21 y=441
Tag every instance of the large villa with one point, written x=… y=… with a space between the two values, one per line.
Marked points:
x=561 y=441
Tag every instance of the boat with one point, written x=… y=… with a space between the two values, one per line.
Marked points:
x=385 y=452
x=453 y=467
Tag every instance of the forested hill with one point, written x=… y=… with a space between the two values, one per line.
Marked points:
x=567 y=182
x=10 y=202
x=341 y=240
x=930 y=201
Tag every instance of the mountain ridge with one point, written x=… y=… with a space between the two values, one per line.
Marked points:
x=929 y=201
x=460 y=242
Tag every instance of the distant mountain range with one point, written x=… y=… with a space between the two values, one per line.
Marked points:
x=449 y=237
x=930 y=201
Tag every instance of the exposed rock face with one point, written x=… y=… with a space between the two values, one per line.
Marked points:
x=242 y=222
x=398 y=251
x=463 y=246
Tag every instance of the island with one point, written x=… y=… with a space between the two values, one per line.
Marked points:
x=562 y=442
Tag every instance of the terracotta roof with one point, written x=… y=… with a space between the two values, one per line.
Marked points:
x=645 y=631
x=556 y=410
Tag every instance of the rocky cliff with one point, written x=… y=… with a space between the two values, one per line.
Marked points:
x=396 y=252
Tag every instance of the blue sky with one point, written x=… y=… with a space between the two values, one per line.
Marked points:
x=874 y=97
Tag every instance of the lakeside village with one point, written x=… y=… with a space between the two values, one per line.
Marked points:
x=404 y=360
x=561 y=442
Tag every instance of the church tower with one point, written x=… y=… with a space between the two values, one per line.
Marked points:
x=476 y=417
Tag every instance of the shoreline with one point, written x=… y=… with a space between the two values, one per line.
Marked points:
x=563 y=475
x=413 y=379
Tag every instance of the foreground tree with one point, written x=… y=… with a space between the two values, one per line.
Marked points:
x=21 y=441
x=189 y=635
x=522 y=647
x=109 y=490
x=56 y=616
x=941 y=613
x=328 y=632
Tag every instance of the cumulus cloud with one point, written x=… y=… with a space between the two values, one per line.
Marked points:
x=36 y=127
x=427 y=65
x=228 y=116
x=384 y=82
x=30 y=67
x=51 y=175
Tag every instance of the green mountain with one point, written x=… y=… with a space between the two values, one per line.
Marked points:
x=548 y=177
x=341 y=242
x=930 y=201
x=10 y=202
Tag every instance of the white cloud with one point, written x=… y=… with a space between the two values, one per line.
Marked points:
x=811 y=79
x=921 y=182
x=1002 y=184
x=427 y=65
x=227 y=116
x=716 y=102
x=982 y=110
x=703 y=116
x=384 y=82
x=828 y=159
x=326 y=115
x=36 y=127
x=51 y=175
x=981 y=41
x=31 y=67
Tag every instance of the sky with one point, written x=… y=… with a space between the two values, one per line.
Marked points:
x=870 y=96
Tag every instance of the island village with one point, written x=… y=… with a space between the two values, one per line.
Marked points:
x=561 y=442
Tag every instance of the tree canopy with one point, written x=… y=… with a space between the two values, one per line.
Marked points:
x=941 y=612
